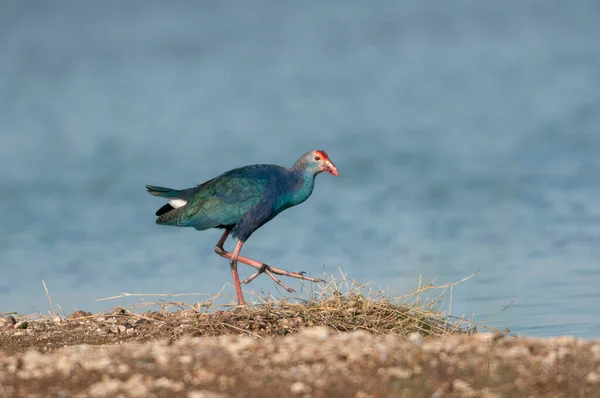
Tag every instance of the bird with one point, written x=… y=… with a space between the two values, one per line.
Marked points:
x=240 y=201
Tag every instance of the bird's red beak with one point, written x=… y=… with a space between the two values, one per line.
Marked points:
x=329 y=167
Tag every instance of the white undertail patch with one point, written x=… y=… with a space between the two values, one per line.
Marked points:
x=177 y=203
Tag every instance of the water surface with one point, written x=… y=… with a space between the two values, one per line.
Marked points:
x=467 y=136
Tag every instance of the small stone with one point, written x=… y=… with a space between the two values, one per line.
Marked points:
x=204 y=394
x=163 y=382
x=486 y=393
x=517 y=351
x=549 y=360
x=299 y=388
x=79 y=314
x=485 y=337
x=11 y=365
x=416 y=338
x=32 y=359
x=56 y=319
x=564 y=340
x=463 y=387
x=595 y=349
x=433 y=346
x=562 y=352
x=121 y=328
x=64 y=365
x=317 y=332
x=186 y=359
x=135 y=386
x=105 y=388
x=7 y=321
x=119 y=311
x=593 y=378
x=240 y=344
x=399 y=373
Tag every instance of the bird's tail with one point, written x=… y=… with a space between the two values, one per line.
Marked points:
x=172 y=213
x=163 y=192
x=172 y=217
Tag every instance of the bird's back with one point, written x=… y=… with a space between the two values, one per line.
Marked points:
x=224 y=200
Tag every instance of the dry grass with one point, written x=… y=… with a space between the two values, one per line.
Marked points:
x=341 y=303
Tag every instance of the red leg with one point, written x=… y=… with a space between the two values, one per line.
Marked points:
x=234 y=272
x=221 y=241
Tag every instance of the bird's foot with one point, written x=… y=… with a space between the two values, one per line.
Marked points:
x=262 y=269
x=302 y=275
x=265 y=269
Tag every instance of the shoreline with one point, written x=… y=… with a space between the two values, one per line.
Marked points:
x=316 y=362
x=344 y=345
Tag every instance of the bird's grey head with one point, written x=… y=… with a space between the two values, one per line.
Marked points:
x=316 y=161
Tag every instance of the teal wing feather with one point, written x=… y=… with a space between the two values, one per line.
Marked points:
x=222 y=201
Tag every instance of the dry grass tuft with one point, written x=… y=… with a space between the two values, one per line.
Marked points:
x=342 y=304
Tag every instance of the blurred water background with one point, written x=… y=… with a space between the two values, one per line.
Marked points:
x=466 y=133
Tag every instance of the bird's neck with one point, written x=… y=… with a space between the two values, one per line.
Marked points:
x=303 y=182
x=308 y=182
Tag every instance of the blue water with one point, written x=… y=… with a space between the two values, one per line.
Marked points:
x=467 y=136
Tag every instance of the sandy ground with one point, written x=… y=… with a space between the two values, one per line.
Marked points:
x=103 y=358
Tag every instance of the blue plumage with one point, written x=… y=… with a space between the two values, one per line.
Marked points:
x=243 y=199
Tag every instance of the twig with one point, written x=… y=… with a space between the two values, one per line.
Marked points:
x=49 y=298
x=125 y=294
x=241 y=330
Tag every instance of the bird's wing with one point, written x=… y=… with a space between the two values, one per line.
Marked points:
x=223 y=200
x=261 y=213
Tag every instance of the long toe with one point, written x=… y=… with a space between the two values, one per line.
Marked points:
x=301 y=275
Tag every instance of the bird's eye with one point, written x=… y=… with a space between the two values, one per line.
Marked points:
x=317 y=158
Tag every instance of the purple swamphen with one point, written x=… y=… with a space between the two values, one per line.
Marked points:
x=242 y=200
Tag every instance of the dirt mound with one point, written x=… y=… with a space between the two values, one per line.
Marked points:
x=317 y=362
